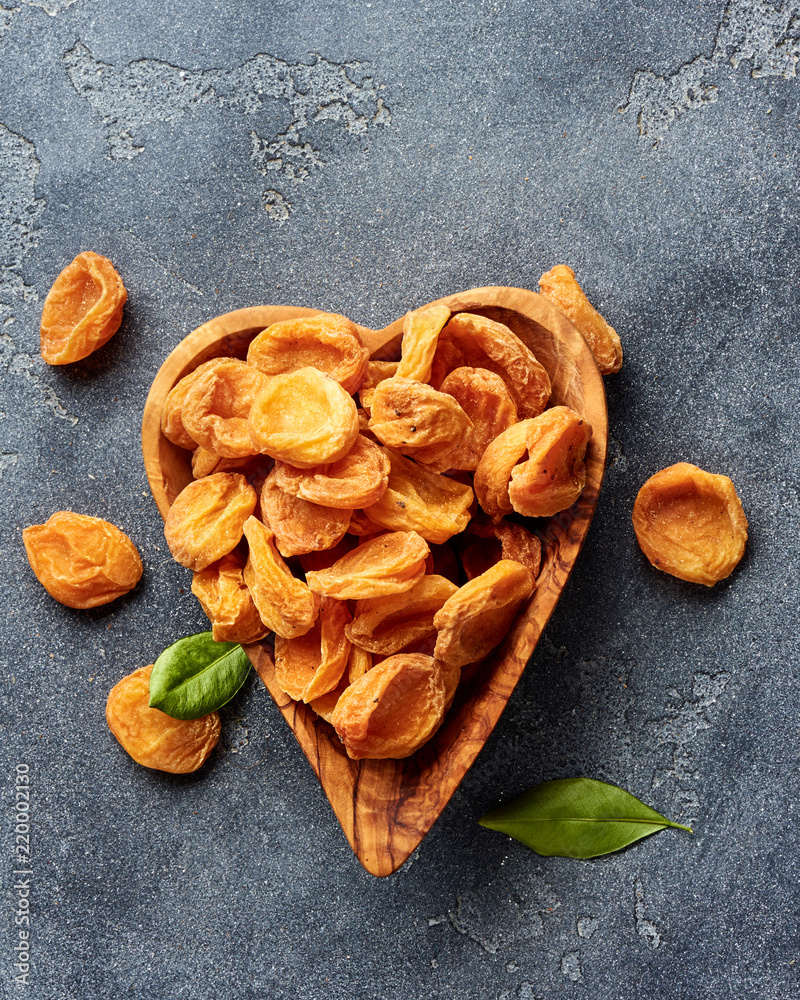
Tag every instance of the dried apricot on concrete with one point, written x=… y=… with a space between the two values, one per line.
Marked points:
x=206 y=520
x=82 y=561
x=417 y=499
x=417 y=420
x=299 y=526
x=493 y=473
x=690 y=524
x=477 y=617
x=385 y=625
x=304 y=418
x=392 y=710
x=151 y=737
x=327 y=342
x=561 y=288
x=486 y=543
x=485 y=399
x=389 y=564
x=554 y=475
x=311 y=665
x=421 y=330
x=477 y=342
x=216 y=407
x=223 y=595
x=285 y=604
x=83 y=309
x=172 y=413
x=357 y=480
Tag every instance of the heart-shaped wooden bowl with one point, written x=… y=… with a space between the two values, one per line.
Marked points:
x=386 y=807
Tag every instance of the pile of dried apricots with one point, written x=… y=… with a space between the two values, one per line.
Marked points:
x=335 y=504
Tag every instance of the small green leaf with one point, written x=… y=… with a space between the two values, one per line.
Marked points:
x=195 y=676
x=577 y=818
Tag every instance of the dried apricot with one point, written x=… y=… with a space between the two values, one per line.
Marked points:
x=327 y=342
x=304 y=418
x=392 y=710
x=389 y=564
x=476 y=618
x=417 y=499
x=172 y=412
x=83 y=309
x=493 y=473
x=311 y=665
x=206 y=463
x=485 y=399
x=285 y=604
x=357 y=480
x=385 y=625
x=223 y=595
x=153 y=738
x=690 y=524
x=82 y=561
x=560 y=287
x=421 y=330
x=205 y=522
x=216 y=407
x=299 y=526
x=377 y=372
x=474 y=341
x=487 y=543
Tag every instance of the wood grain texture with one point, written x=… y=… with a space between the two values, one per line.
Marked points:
x=386 y=807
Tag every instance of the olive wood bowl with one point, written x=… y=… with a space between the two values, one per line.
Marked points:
x=386 y=807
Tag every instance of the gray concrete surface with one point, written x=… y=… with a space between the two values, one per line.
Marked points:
x=367 y=158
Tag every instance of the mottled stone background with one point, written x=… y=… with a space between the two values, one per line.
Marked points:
x=367 y=158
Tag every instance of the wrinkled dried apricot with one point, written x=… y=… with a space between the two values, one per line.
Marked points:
x=223 y=595
x=421 y=330
x=205 y=522
x=476 y=618
x=327 y=342
x=216 y=407
x=389 y=564
x=493 y=473
x=492 y=542
x=206 y=463
x=377 y=372
x=690 y=524
x=83 y=309
x=417 y=499
x=554 y=475
x=153 y=738
x=485 y=399
x=304 y=418
x=357 y=480
x=285 y=604
x=416 y=420
x=311 y=665
x=560 y=287
x=299 y=526
x=392 y=710
x=385 y=625
x=82 y=561
x=172 y=412
x=474 y=341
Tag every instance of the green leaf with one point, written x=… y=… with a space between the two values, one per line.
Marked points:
x=577 y=818
x=195 y=676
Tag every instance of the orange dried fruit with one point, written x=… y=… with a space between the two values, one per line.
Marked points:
x=493 y=473
x=216 y=407
x=415 y=419
x=690 y=524
x=82 y=561
x=477 y=617
x=377 y=372
x=285 y=604
x=389 y=564
x=172 y=413
x=206 y=520
x=487 y=543
x=326 y=703
x=223 y=595
x=304 y=418
x=83 y=309
x=327 y=342
x=485 y=399
x=309 y=666
x=561 y=288
x=206 y=463
x=421 y=330
x=554 y=475
x=299 y=526
x=385 y=625
x=151 y=737
x=358 y=664
x=357 y=480
x=392 y=710
x=417 y=499
x=475 y=341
